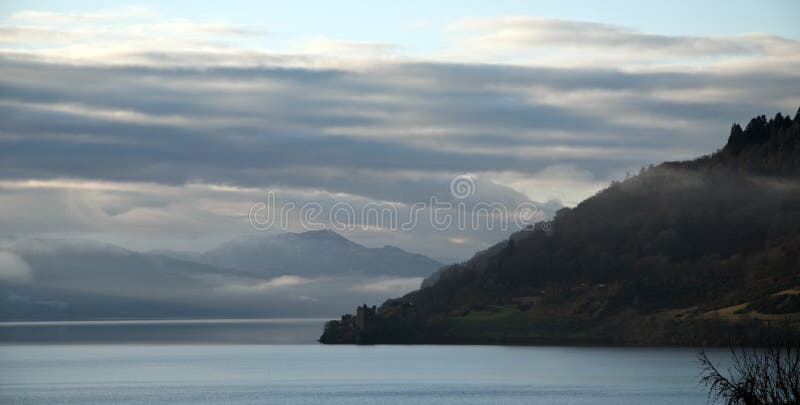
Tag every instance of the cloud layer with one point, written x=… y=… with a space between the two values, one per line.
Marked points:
x=149 y=127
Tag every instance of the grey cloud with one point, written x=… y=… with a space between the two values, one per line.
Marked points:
x=392 y=132
x=288 y=121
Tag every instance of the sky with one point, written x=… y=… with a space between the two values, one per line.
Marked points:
x=160 y=124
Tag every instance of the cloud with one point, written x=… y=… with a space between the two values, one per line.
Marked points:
x=15 y=35
x=14 y=268
x=393 y=286
x=138 y=35
x=475 y=118
x=57 y=18
x=113 y=34
x=532 y=33
x=110 y=127
x=283 y=281
x=94 y=156
x=278 y=285
x=564 y=183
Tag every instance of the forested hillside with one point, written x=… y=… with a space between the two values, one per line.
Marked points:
x=682 y=253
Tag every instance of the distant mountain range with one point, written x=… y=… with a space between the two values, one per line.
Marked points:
x=284 y=275
x=695 y=252
x=311 y=254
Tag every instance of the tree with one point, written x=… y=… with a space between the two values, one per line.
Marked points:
x=736 y=140
x=767 y=375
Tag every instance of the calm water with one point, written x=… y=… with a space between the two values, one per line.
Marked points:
x=315 y=374
x=189 y=331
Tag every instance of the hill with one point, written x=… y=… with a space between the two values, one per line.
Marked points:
x=307 y=274
x=694 y=252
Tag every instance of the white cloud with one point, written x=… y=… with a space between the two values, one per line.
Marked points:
x=561 y=182
x=14 y=268
x=116 y=35
x=58 y=18
x=392 y=286
x=283 y=281
x=144 y=35
x=277 y=285
x=524 y=32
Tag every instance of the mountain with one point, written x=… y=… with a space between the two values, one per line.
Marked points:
x=288 y=275
x=315 y=254
x=80 y=279
x=694 y=252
